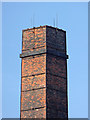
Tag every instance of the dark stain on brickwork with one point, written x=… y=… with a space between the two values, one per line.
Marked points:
x=44 y=73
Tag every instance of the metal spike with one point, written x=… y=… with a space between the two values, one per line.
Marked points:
x=54 y=22
x=33 y=19
x=31 y=22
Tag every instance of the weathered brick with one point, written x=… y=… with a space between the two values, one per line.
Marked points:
x=36 y=65
x=34 y=38
x=56 y=82
x=33 y=82
x=33 y=99
x=57 y=37
x=56 y=100
x=56 y=65
x=37 y=113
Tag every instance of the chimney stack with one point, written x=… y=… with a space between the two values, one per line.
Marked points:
x=44 y=73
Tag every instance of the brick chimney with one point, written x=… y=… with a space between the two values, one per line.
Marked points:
x=44 y=73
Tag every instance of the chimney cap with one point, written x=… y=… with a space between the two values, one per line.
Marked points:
x=43 y=27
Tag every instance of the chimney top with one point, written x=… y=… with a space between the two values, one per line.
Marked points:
x=43 y=27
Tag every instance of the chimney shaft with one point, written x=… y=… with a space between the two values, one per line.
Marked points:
x=44 y=73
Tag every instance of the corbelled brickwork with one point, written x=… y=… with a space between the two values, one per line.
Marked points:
x=44 y=73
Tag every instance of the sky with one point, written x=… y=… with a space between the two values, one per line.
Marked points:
x=73 y=18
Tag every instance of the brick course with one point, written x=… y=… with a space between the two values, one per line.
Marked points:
x=37 y=113
x=33 y=99
x=33 y=82
x=33 y=65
